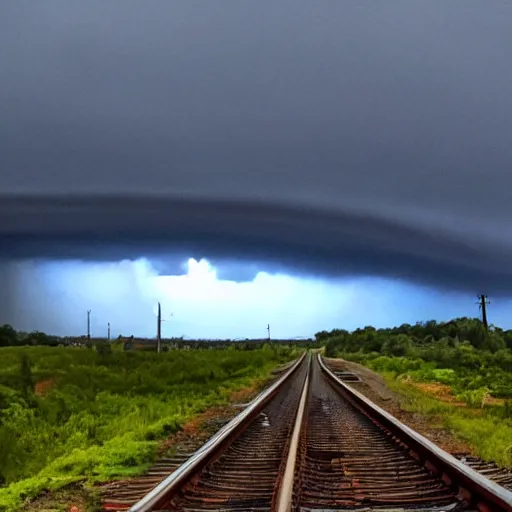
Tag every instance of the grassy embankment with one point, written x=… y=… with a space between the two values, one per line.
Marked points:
x=70 y=414
x=455 y=374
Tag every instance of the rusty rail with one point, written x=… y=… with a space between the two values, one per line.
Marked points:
x=472 y=488
x=164 y=491
x=285 y=487
x=311 y=442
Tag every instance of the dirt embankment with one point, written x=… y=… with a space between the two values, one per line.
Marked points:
x=374 y=387
x=44 y=386
x=202 y=426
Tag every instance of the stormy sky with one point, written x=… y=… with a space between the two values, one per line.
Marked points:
x=335 y=162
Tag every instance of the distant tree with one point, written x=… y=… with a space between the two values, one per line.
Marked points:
x=40 y=338
x=493 y=342
x=397 y=345
x=330 y=349
x=507 y=336
x=8 y=336
x=321 y=336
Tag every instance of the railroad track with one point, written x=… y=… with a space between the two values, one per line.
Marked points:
x=311 y=443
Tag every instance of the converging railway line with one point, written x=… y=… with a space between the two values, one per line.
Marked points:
x=311 y=443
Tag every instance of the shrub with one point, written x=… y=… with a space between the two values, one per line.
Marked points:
x=102 y=413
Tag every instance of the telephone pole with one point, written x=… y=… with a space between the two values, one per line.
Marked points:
x=159 y=330
x=482 y=303
x=88 y=325
x=108 y=333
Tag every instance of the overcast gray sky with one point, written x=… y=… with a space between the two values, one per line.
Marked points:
x=338 y=137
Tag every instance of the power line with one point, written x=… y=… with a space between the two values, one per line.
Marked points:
x=159 y=329
x=482 y=303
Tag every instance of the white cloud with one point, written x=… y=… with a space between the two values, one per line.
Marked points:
x=55 y=296
x=209 y=306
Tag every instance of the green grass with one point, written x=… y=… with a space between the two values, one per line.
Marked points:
x=488 y=429
x=473 y=361
x=103 y=415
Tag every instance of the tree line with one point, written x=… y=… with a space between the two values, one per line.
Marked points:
x=9 y=337
x=397 y=341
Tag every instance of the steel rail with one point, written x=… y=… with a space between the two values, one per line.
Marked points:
x=285 y=491
x=486 y=494
x=161 y=494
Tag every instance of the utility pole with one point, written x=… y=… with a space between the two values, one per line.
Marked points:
x=482 y=303
x=268 y=329
x=88 y=325
x=108 y=334
x=159 y=330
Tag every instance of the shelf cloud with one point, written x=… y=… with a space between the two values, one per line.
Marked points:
x=328 y=140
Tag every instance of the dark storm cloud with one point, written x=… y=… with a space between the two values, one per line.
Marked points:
x=383 y=129
x=306 y=240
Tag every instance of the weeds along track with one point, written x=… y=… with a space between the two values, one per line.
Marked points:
x=313 y=444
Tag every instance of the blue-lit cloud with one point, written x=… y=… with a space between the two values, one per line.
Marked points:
x=199 y=304
x=332 y=139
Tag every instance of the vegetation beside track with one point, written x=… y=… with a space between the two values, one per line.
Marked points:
x=455 y=372
x=73 y=414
